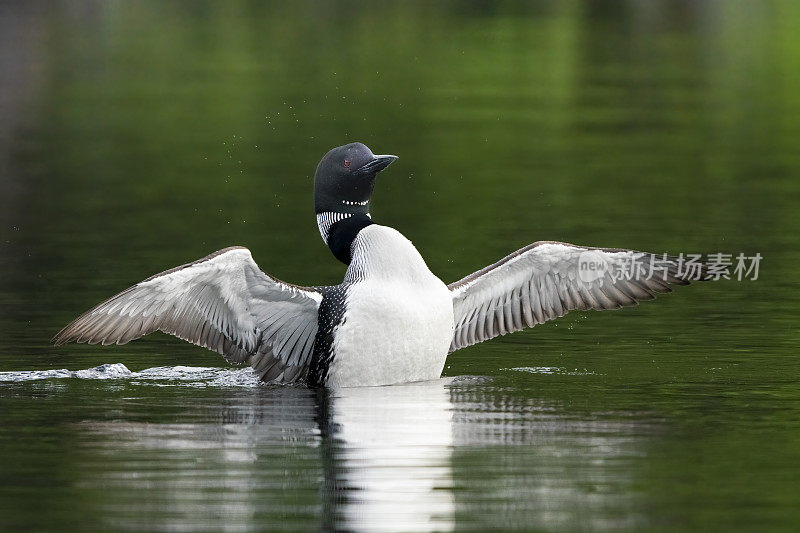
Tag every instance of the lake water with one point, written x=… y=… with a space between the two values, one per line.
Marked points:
x=138 y=136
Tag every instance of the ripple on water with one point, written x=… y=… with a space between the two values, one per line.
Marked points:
x=551 y=370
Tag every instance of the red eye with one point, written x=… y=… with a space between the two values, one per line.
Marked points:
x=347 y=162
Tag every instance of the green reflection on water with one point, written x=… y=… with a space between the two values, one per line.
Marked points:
x=137 y=136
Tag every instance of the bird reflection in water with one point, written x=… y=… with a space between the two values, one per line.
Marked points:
x=416 y=457
x=387 y=457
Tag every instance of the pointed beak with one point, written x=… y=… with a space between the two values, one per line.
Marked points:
x=378 y=163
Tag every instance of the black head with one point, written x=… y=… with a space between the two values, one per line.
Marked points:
x=345 y=178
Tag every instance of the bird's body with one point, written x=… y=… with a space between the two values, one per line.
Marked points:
x=391 y=320
x=397 y=324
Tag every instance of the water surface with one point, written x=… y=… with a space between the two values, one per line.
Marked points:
x=138 y=136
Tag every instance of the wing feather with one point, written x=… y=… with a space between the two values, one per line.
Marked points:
x=222 y=302
x=543 y=281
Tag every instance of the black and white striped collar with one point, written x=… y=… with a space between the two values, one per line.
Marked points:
x=327 y=219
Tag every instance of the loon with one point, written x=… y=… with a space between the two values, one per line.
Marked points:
x=391 y=320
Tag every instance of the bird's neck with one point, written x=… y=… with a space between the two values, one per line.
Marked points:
x=326 y=219
x=327 y=216
x=339 y=230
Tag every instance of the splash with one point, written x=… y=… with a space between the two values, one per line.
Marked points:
x=195 y=376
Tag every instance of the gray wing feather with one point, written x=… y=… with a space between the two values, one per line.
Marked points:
x=222 y=302
x=542 y=282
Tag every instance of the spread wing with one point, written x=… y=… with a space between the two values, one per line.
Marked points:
x=545 y=280
x=222 y=302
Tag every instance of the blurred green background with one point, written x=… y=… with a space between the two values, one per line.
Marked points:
x=136 y=136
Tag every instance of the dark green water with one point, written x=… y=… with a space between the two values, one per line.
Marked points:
x=138 y=136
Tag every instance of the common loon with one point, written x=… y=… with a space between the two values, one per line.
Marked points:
x=391 y=320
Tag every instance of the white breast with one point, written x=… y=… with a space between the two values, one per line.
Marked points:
x=399 y=319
